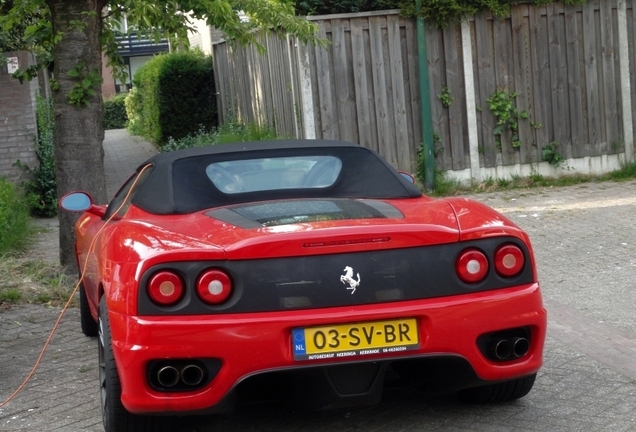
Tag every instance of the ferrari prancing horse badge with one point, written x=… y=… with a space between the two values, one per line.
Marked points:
x=347 y=278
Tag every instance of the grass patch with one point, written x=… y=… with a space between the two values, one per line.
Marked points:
x=10 y=295
x=14 y=218
x=626 y=172
x=24 y=281
x=445 y=186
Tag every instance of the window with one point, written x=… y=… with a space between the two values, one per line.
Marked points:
x=253 y=175
x=122 y=194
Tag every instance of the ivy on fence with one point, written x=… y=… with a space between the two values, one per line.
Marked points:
x=440 y=12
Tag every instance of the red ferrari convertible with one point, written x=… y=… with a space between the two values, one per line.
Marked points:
x=310 y=272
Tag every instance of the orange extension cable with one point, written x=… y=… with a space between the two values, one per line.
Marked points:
x=70 y=299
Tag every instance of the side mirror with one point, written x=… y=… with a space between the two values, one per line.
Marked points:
x=409 y=178
x=76 y=202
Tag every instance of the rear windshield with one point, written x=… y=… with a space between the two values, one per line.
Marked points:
x=254 y=175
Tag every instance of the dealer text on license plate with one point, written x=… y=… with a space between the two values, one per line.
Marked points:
x=351 y=340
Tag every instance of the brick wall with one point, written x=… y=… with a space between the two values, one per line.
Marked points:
x=108 y=85
x=17 y=118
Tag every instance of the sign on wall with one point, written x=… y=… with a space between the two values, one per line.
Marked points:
x=12 y=65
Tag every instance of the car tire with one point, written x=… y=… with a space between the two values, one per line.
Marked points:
x=89 y=325
x=500 y=392
x=114 y=415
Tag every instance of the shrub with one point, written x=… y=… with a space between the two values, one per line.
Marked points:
x=114 y=113
x=173 y=96
x=14 y=217
x=228 y=132
x=134 y=111
x=41 y=188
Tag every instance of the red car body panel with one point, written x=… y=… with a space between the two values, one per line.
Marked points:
x=251 y=343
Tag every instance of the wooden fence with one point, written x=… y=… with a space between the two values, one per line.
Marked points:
x=562 y=63
x=363 y=87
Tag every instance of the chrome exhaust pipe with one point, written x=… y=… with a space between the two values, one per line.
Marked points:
x=168 y=376
x=501 y=349
x=192 y=375
x=520 y=346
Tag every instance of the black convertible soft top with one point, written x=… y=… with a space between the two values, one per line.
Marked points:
x=178 y=182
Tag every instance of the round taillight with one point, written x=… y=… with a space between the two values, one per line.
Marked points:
x=509 y=261
x=214 y=286
x=471 y=266
x=165 y=288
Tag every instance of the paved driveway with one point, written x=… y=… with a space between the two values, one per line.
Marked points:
x=585 y=242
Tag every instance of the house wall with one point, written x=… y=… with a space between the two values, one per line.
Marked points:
x=17 y=118
x=201 y=37
x=108 y=85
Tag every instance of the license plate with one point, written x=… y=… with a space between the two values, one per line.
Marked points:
x=353 y=340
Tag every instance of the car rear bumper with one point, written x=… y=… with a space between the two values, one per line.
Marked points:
x=254 y=343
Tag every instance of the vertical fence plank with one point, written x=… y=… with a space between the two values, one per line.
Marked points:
x=477 y=95
x=485 y=68
x=631 y=38
x=286 y=99
x=315 y=95
x=390 y=147
x=288 y=85
x=271 y=88
x=344 y=106
x=454 y=82
x=262 y=83
x=401 y=141
x=292 y=71
x=558 y=77
x=276 y=92
x=415 y=130
x=610 y=102
x=231 y=110
x=540 y=64
x=592 y=85
x=436 y=66
x=523 y=80
x=360 y=81
x=505 y=82
x=220 y=75
x=325 y=90
x=380 y=95
x=369 y=64
x=573 y=34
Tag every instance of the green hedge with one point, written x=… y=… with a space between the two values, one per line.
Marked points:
x=114 y=113
x=14 y=217
x=320 y=7
x=173 y=96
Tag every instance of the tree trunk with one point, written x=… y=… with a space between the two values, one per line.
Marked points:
x=79 y=135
